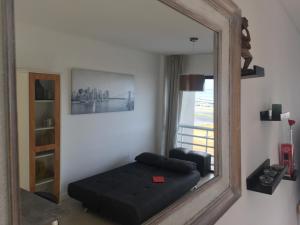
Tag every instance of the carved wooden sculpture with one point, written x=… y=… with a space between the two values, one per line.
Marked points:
x=246 y=46
x=257 y=71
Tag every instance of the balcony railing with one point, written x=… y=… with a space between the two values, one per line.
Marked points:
x=196 y=138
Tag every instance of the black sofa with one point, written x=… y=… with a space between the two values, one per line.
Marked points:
x=127 y=194
x=202 y=159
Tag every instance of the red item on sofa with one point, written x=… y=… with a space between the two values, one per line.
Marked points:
x=158 y=179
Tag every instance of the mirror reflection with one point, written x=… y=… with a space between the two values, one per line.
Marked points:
x=116 y=109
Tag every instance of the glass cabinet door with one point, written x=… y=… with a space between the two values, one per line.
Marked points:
x=44 y=112
x=44 y=116
x=44 y=171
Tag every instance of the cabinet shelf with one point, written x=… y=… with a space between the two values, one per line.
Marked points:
x=44 y=148
x=44 y=101
x=44 y=128
x=282 y=116
x=44 y=181
x=254 y=184
x=276 y=114
x=44 y=155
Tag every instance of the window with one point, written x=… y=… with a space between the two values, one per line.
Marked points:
x=196 y=125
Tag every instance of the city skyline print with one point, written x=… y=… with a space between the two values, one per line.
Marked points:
x=101 y=92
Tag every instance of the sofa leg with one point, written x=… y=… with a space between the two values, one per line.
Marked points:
x=195 y=188
x=85 y=209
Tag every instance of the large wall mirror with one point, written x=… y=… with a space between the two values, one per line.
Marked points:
x=184 y=56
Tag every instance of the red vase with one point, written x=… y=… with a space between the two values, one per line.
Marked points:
x=286 y=158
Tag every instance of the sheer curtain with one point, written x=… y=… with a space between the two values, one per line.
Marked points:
x=172 y=101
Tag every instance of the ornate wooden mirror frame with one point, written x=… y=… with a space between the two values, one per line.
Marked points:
x=206 y=205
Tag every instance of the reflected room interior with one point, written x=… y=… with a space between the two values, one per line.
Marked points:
x=111 y=95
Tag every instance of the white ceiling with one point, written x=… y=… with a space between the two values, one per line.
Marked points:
x=293 y=9
x=142 y=24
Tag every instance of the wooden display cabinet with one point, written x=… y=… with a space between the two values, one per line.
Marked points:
x=44 y=135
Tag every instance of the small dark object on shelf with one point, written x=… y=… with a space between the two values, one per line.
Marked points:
x=39 y=90
x=264 y=116
x=261 y=181
x=276 y=113
x=270 y=172
x=277 y=167
x=292 y=178
x=266 y=180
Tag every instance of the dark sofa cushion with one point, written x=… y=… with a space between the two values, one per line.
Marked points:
x=202 y=159
x=178 y=165
x=179 y=153
x=150 y=159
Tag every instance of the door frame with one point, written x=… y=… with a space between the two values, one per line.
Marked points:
x=10 y=132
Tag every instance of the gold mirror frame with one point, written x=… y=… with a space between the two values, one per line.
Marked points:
x=202 y=11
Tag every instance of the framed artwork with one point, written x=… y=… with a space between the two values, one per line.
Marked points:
x=101 y=92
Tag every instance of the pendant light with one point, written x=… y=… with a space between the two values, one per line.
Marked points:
x=192 y=82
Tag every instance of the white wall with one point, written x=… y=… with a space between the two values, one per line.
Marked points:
x=198 y=63
x=96 y=142
x=23 y=128
x=276 y=46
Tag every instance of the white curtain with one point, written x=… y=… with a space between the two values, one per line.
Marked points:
x=172 y=101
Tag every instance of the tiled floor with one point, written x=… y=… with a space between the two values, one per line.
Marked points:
x=74 y=214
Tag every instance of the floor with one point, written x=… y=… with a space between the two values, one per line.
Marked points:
x=73 y=213
x=205 y=179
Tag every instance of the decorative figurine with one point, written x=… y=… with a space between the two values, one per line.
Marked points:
x=257 y=71
x=246 y=46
